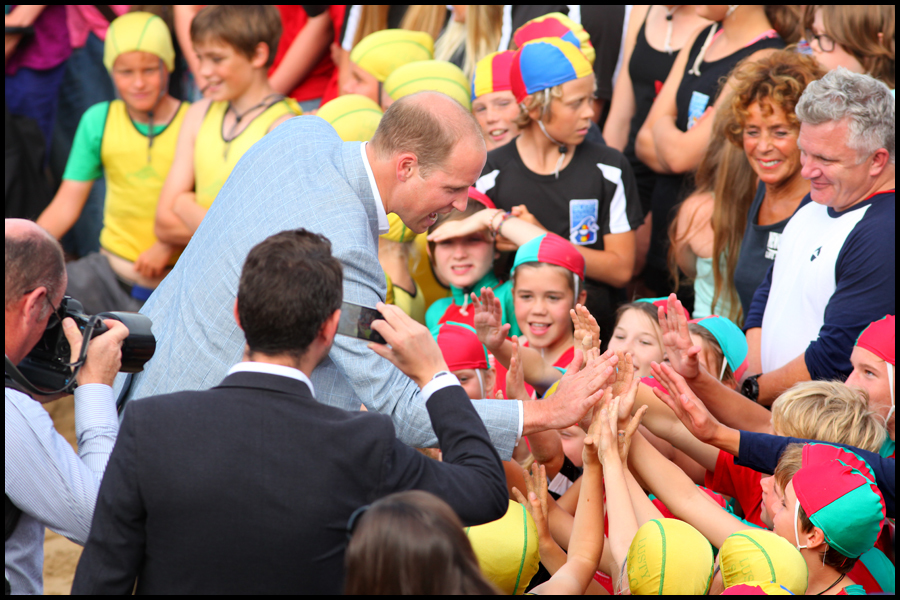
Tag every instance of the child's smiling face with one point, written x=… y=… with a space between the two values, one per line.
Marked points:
x=463 y=261
x=543 y=297
x=636 y=333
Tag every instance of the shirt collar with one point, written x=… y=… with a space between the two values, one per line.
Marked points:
x=383 y=225
x=270 y=369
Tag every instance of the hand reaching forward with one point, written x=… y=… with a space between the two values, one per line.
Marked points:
x=624 y=437
x=590 y=452
x=515 y=376
x=684 y=403
x=537 y=503
x=579 y=390
x=489 y=320
x=677 y=340
x=585 y=325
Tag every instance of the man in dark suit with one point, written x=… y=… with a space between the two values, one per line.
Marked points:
x=248 y=487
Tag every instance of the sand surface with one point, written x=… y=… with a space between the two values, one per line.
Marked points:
x=60 y=555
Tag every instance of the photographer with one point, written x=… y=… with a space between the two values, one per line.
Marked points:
x=47 y=484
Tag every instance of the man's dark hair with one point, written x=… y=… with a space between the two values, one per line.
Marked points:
x=33 y=259
x=289 y=286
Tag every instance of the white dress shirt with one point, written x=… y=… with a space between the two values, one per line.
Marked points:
x=52 y=485
x=383 y=225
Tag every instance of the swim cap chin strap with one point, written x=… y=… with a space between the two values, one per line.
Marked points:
x=796 y=529
x=890 y=370
x=481 y=383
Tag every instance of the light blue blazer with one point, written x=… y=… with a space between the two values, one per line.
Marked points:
x=299 y=175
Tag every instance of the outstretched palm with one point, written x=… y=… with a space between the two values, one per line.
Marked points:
x=489 y=320
x=681 y=352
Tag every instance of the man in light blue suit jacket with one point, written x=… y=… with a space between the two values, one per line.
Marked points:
x=426 y=153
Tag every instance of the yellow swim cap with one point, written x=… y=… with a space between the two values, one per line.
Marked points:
x=354 y=117
x=507 y=549
x=138 y=32
x=669 y=557
x=398 y=232
x=429 y=75
x=383 y=51
x=761 y=555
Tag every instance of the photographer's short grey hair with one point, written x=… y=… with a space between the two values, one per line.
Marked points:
x=866 y=102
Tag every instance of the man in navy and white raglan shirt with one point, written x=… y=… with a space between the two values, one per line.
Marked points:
x=834 y=273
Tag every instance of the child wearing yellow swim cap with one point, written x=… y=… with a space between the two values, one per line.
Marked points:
x=132 y=141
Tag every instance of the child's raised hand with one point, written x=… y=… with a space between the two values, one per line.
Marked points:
x=515 y=376
x=488 y=320
x=685 y=403
x=624 y=436
x=625 y=388
x=537 y=503
x=680 y=350
x=590 y=452
x=585 y=325
x=609 y=447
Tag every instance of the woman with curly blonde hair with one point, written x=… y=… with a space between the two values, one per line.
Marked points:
x=765 y=126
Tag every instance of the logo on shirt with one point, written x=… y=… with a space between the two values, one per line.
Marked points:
x=815 y=254
x=583 y=216
x=772 y=245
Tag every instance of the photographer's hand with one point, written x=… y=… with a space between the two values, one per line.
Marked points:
x=104 y=355
x=412 y=349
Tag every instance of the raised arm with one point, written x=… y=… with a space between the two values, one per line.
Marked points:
x=586 y=542
x=680 y=495
x=727 y=405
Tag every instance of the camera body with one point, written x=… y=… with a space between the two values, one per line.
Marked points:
x=46 y=366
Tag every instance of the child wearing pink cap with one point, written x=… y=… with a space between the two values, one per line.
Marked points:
x=873 y=370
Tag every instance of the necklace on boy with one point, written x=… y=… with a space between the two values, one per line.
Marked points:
x=239 y=116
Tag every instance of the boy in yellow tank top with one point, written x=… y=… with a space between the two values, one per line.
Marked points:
x=235 y=46
x=133 y=141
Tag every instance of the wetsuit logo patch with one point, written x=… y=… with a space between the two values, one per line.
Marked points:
x=583 y=216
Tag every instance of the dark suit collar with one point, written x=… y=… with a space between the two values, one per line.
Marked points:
x=266 y=381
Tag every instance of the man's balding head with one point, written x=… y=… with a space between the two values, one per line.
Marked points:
x=33 y=259
x=429 y=125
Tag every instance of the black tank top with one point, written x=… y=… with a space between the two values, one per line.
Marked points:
x=648 y=69
x=672 y=189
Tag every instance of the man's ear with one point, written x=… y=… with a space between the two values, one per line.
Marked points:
x=237 y=316
x=329 y=327
x=407 y=166
x=33 y=304
x=880 y=161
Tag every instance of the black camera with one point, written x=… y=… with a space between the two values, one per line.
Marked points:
x=47 y=365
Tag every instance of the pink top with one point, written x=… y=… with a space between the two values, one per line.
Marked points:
x=85 y=18
x=48 y=47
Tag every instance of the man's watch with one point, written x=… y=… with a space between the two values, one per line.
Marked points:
x=750 y=387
